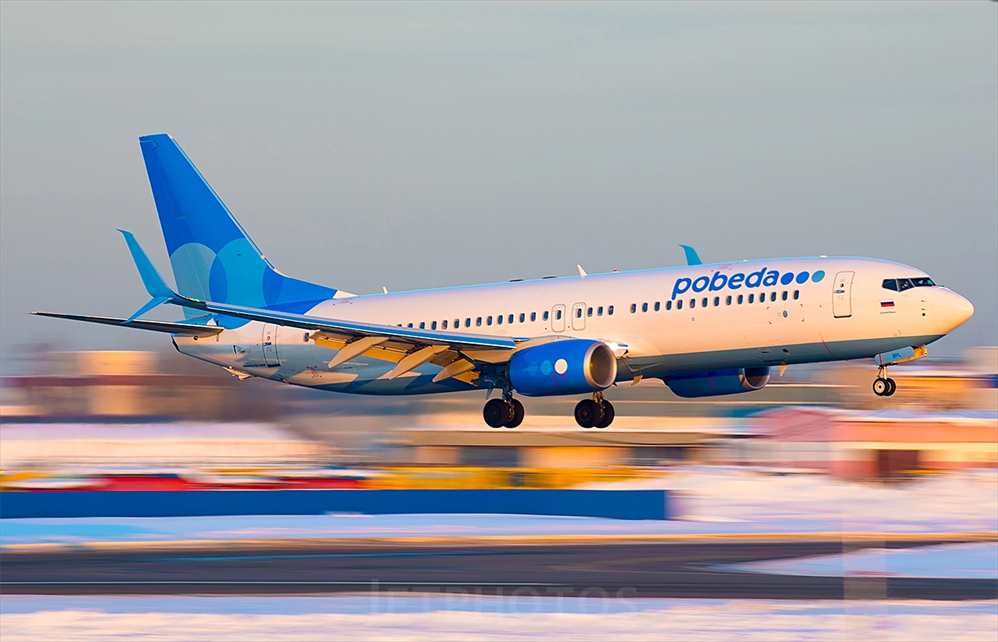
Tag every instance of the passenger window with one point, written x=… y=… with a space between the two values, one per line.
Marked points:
x=727 y=300
x=499 y=319
x=891 y=284
x=717 y=301
x=634 y=308
x=772 y=296
x=410 y=325
x=693 y=303
x=784 y=295
x=457 y=323
x=741 y=297
x=478 y=321
x=422 y=325
x=488 y=320
x=523 y=317
x=609 y=310
x=467 y=322
x=510 y=319
x=433 y=326
x=589 y=312
x=796 y=294
x=679 y=304
x=668 y=305
x=658 y=306
x=546 y=315
x=599 y=311
x=751 y=298
x=704 y=302
x=533 y=316
x=644 y=307
x=578 y=313
x=558 y=315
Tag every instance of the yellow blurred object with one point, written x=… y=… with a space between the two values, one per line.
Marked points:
x=478 y=478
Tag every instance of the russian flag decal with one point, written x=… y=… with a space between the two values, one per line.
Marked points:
x=887 y=304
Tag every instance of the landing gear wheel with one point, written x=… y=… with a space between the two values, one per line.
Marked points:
x=881 y=387
x=608 y=414
x=587 y=413
x=497 y=413
x=891 y=387
x=517 y=417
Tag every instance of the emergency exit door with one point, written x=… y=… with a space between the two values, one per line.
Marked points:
x=269 y=341
x=842 y=295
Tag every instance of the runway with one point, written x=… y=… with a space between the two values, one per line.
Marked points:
x=679 y=569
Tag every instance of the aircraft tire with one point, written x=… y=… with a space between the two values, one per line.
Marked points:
x=608 y=414
x=880 y=386
x=517 y=417
x=892 y=387
x=497 y=413
x=587 y=413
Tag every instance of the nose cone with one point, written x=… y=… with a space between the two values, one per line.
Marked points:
x=951 y=310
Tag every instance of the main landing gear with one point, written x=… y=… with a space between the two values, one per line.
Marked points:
x=503 y=413
x=594 y=413
x=508 y=412
x=884 y=386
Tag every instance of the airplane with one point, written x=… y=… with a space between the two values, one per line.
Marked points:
x=704 y=329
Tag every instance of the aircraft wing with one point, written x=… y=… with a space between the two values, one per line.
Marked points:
x=187 y=329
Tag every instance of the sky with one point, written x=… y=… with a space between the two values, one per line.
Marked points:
x=423 y=145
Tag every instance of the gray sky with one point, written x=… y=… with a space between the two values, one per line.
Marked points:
x=428 y=145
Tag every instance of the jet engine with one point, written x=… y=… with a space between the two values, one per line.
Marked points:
x=570 y=366
x=718 y=382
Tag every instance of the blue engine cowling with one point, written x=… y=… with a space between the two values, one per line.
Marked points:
x=718 y=382
x=571 y=366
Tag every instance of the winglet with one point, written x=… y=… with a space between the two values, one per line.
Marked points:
x=691 y=255
x=151 y=278
x=582 y=273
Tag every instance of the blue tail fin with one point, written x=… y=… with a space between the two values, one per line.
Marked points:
x=213 y=259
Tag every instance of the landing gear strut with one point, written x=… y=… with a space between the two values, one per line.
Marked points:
x=503 y=413
x=884 y=386
x=596 y=412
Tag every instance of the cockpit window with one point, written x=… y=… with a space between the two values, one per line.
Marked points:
x=900 y=285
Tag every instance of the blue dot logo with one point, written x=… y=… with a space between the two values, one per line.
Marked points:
x=820 y=274
x=802 y=277
x=787 y=278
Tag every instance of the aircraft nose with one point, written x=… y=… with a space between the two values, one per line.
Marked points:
x=951 y=310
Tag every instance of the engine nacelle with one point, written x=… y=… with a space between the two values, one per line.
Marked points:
x=718 y=382
x=571 y=366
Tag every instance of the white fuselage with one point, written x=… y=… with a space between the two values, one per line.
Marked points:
x=725 y=321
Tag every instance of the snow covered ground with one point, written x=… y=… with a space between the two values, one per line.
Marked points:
x=954 y=561
x=709 y=501
x=712 y=501
x=453 y=618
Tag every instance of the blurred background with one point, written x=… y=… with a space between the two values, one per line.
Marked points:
x=129 y=419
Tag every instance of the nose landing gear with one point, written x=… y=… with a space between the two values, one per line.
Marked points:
x=884 y=386
x=594 y=413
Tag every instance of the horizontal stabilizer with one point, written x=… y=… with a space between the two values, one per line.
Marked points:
x=187 y=329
